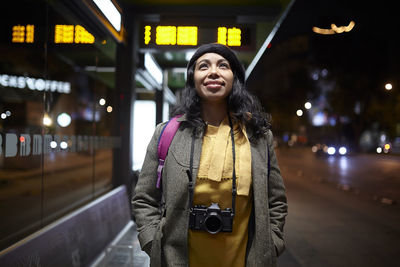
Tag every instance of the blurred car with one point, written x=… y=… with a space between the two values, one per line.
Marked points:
x=325 y=150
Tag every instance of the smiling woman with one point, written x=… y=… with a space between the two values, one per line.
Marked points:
x=221 y=181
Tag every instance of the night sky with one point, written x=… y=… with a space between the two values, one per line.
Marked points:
x=357 y=65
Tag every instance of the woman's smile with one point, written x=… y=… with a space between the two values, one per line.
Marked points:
x=214 y=85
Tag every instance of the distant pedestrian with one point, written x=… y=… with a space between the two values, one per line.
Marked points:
x=236 y=212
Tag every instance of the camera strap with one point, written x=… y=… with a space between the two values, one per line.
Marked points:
x=190 y=171
x=234 y=190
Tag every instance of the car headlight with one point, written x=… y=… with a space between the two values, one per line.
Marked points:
x=331 y=150
x=342 y=150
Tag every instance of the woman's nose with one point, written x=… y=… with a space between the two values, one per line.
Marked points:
x=213 y=71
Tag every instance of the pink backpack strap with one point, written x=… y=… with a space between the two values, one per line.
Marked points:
x=164 y=141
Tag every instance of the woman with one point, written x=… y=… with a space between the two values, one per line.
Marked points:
x=236 y=212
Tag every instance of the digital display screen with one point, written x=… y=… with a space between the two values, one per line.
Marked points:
x=68 y=34
x=63 y=34
x=169 y=36
x=23 y=34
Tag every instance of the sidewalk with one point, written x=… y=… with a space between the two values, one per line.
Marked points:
x=126 y=252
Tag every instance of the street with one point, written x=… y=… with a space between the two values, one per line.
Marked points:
x=342 y=211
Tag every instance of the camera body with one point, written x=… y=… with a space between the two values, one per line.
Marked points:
x=211 y=219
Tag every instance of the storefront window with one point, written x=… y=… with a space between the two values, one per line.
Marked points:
x=57 y=105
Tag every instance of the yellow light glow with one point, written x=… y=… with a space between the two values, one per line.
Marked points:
x=30 y=33
x=64 y=34
x=147 y=34
x=387 y=146
x=234 y=36
x=230 y=36
x=18 y=34
x=187 y=35
x=166 y=35
x=222 y=35
x=69 y=34
x=323 y=31
x=82 y=36
x=47 y=121
x=334 y=29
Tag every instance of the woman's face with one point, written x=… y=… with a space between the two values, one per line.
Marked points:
x=213 y=77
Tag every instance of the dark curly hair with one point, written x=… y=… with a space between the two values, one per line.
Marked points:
x=243 y=106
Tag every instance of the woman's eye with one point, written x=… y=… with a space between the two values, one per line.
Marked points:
x=224 y=65
x=203 y=66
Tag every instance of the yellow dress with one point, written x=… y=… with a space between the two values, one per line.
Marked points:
x=214 y=184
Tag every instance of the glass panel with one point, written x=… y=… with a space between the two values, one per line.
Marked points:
x=105 y=109
x=77 y=166
x=22 y=71
x=56 y=146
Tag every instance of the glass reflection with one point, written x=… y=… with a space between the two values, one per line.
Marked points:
x=56 y=145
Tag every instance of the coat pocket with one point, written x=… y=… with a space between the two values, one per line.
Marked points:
x=273 y=249
x=156 y=246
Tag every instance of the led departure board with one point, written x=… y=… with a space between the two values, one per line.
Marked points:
x=63 y=34
x=23 y=34
x=169 y=36
x=230 y=37
x=68 y=34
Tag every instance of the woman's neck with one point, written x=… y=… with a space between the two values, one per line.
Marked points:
x=213 y=113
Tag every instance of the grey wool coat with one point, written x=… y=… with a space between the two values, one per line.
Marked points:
x=163 y=229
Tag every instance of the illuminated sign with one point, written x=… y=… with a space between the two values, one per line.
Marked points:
x=83 y=36
x=22 y=82
x=166 y=35
x=69 y=34
x=239 y=36
x=234 y=37
x=187 y=35
x=172 y=35
x=23 y=34
x=147 y=34
x=222 y=31
x=230 y=37
x=63 y=34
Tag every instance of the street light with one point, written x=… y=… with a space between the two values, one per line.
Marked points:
x=388 y=86
x=307 y=105
x=299 y=112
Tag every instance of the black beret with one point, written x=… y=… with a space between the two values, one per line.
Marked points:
x=224 y=51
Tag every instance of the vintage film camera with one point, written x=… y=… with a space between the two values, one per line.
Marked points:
x=211 y=219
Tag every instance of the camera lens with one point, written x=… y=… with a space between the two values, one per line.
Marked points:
x=213 y=223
